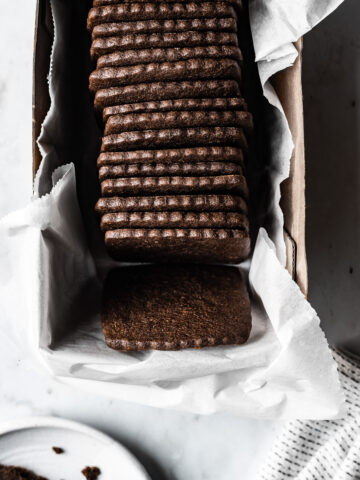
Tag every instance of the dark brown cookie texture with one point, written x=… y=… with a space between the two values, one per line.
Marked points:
x=228 y=24
x=173 y=155
x=193 y=69
x=159 y=11
x=107 y=45
x=175 y=137
x=171 y=307
x=177 y=119
x=159 y=55
x=167 y=84
x=172 y=185
x=91 y=473
x=114 y=221
x=197 y=245
x=169 y=169
x=17 y=473
x=182 y=104
x=155 y=91
x=171 y=203
x=99 y=3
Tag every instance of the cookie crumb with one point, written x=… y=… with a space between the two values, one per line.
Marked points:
x=91 y=473
x=58 y=450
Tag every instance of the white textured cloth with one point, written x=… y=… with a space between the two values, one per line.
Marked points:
x=322 y=450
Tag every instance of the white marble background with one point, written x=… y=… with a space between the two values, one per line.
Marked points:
x=176 y=446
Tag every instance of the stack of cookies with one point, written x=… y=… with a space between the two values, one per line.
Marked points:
x=167 y=88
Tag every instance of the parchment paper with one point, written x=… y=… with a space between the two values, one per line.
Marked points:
x=53 y=260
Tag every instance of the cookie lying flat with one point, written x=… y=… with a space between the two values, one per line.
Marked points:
x=159 y=55
x=155 y=91
x=185 y=104
x=193 y=69
x=173 y=155
x=176 y=137
x=198 y=245
x=169 y=307
x=107 y=45
x=182 y=119
x=169 y=169
x=159 y=11
x=171 y=203
x=228 y=24
x=172 y=185
x=113 y=221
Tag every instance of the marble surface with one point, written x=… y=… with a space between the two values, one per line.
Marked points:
x=183 y=446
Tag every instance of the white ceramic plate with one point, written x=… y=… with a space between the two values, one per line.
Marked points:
x=28 y=443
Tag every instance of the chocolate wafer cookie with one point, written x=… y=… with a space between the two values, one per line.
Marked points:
x=198 y=245
x=184 y=104
x=171 y=203
x=172 y=179
x=173 y=155
x=169 y=169
x=187 y=306
x=165 y=26
x=193 y=69
x=176 y=219
x=107 y=45
x=154 y=91
x=100 y=3
x=182 y=119
x=175 y=137
x=159 y=11
x=171 y=185
x=159 y=55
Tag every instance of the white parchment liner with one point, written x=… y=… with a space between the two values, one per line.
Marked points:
x=50 y=292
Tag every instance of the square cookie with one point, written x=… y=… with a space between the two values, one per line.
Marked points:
x=174 y=307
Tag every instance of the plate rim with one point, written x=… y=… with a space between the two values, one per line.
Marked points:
x=22 y=423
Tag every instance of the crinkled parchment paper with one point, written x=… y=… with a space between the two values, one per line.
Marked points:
x=50 y=283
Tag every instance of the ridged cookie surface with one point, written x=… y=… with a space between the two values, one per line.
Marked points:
x=198 y=245
x=99 y=3
x=107 y=45
x=176 y=219
x=145 y=92
x=170 y=203
x=150 y=55
x=175 y=137
x=169 y=169
x=186 y=104
x=165 y=26
x=169 y=185
x=177 y=119
x=158 y=11
x=193 y=69
x=173 y=155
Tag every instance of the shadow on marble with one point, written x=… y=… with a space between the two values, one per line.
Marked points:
x=332 y=136
x=155 y=471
